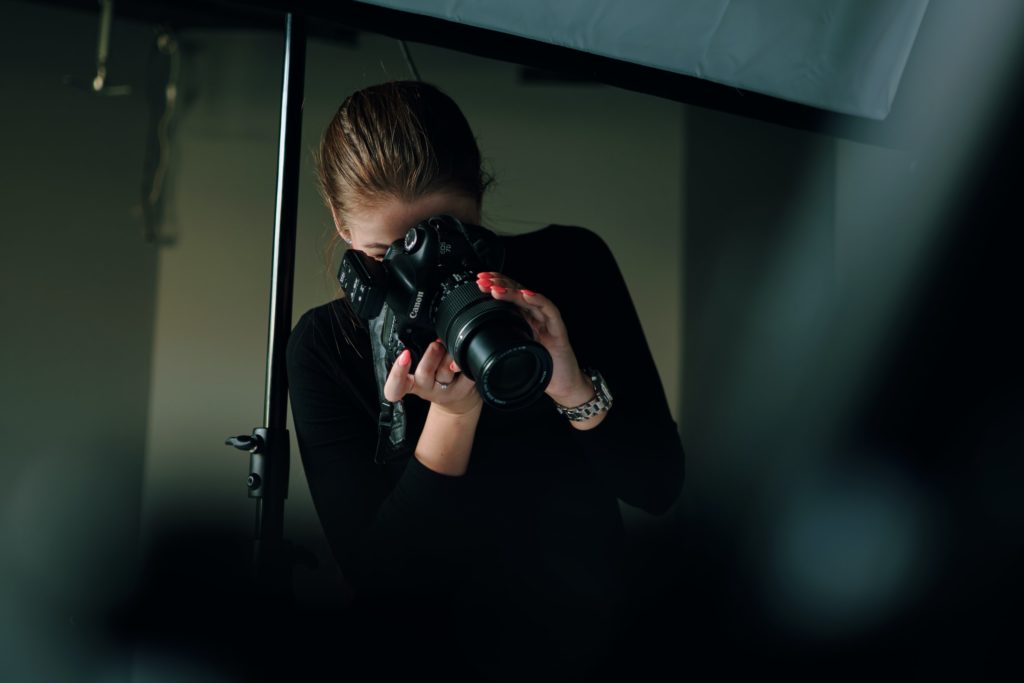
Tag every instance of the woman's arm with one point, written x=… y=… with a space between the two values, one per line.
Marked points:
x=385 y=538
x=588 y=319
x=447 y=440
x=636 y=447
x=455 y=405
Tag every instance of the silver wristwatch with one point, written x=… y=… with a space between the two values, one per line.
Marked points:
x=601 y=401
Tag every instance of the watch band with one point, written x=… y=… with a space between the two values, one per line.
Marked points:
x=602 y=400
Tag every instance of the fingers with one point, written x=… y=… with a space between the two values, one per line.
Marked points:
x=399 y=381
x=503 y=287
x=445 y=373
x=492 y=281
x=437 y=365
x=427 y=369
x=541 y=312
x=545 y=311
x=460 y=392
x=435 y=368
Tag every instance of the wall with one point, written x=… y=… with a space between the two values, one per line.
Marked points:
x=77 y=284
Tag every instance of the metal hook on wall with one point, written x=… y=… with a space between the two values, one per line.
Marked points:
x=163 y=77
x=98 y=84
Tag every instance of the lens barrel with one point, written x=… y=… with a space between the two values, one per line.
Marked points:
x=494 y=346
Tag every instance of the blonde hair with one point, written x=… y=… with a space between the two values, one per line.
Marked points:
x=402 y=140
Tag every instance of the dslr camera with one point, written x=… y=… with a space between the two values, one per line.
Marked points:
x=426 y=286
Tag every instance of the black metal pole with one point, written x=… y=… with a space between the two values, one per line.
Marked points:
x=272 y=561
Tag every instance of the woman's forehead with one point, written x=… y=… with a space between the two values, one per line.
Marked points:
x=390 y=218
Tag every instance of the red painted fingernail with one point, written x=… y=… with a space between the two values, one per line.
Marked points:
x=528 y=292
x=404 y=358
x=499 y=290
x=452 y=366
x=484 y=279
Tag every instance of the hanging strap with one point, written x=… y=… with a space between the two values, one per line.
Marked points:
x=391 y=444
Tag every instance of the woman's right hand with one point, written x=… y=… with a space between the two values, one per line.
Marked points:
x=446 y=441
x=437 y=366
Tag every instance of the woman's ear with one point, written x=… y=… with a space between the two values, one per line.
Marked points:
x=343 y=232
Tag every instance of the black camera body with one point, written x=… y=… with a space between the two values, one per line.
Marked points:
x=426 y=286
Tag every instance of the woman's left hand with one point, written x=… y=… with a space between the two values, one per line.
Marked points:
x=568 y=386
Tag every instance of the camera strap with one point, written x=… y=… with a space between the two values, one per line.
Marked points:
x=391 y=444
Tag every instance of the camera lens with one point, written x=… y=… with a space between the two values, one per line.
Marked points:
x=513 y=370
x=494 y=346
x=510 y=375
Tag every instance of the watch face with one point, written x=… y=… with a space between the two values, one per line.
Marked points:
x=602 y=387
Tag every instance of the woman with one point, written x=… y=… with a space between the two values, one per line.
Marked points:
x=499 y=537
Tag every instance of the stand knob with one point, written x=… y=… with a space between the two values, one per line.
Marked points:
x=258 y=443
x=244 y=442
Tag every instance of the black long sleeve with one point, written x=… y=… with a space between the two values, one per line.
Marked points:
x=637 y=446
x=532 y=533
x=385 y=525
x=638 y=443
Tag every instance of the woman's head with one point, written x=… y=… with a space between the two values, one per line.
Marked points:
x=395 y=153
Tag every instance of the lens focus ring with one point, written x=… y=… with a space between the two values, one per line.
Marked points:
x=455 y=302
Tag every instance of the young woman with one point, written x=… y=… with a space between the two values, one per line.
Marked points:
x=498 y=540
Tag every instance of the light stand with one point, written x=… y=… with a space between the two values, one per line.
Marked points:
x=269 y=446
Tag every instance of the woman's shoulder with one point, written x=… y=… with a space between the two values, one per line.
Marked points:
x=555 y=234
x=331 y=328
x=336 y=313
x=560 y=248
